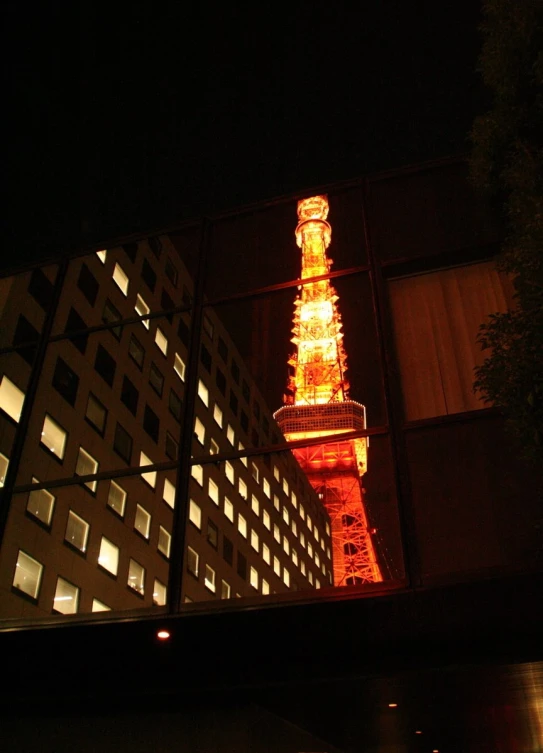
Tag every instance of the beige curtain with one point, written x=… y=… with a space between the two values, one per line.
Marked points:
x=436 y=317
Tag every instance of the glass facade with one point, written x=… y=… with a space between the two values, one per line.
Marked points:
x=168 y=438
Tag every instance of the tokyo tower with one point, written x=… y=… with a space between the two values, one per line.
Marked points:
x=317 y=404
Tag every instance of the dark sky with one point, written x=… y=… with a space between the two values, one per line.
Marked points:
x=121 y=123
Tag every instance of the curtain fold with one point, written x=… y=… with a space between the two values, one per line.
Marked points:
x=436 y=318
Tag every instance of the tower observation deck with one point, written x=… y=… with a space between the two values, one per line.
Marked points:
x=317 y=404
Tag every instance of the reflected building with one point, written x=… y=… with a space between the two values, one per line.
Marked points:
x=318 y=404
x=88 y=530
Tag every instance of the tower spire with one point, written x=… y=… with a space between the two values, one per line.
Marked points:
x=318 y=403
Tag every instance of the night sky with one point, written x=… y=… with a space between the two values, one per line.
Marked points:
x=125 y=123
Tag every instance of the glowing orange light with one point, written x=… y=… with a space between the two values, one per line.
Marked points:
x=418 y=732
x=163 y=635
x=392 y=705
x=317 y=403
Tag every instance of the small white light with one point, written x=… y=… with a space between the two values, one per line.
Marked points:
x=163 y=635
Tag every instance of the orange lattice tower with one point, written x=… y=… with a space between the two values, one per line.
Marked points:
x=317 y=404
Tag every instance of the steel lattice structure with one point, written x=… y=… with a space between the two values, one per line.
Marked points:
x=317 y=404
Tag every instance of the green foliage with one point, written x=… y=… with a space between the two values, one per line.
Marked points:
x=507 y=162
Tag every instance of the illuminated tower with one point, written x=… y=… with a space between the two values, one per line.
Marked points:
x=317 y=404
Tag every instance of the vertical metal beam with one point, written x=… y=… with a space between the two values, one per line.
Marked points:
x=175 y=580
x=392 y=393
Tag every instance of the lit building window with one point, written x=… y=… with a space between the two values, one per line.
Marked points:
x=276 y=533
x=213 y=491
x=265 y=587
x=217 y=415
x=255 y=505
x=302 y=567
x=327 y=525
x=116 y=498
x=159 y=593
x=276 y=566
x=179 y=367
x=254 y=472
x=242 y=525
x=136 y=576
x=77 y=532
x=66 y=597
x=4 y=463
x=209 y=578
x=230 y=435
x=121 y=278
x=302 y=513
x=109 y=556
x=317 y=583
x=276 y=473
x=266 y=487
x=310 y=577
x=286 y=545
x=203 y=393
x=309 y=523
x=286 y=577
x=255 y=541
x=99 y=606
x=242 y=447
x=225 y=590
x=266 y=553
x=40 y=503
x=229 y=471
x=161 y=341
x=199 y=431
x=195 y=514
x=197 y=473
x=142 y=309
x=295 y=556
x=309 y=549
x=142 y=522
x=266 y=519
x=294 y=499
x=11 y=398
x=242 y=486
x=27 y=576
x=317 y=560
x=285 y=487
x=102 y=256
x=168 y=495
x=302 y=539
x=150 y=477
x=294 y=527
x=286 y=516
x=86 y=465
x=53 y=437
x=276 y=503
x=164 y=542
x=213 y=447
x=229 y=509
x=253 y=577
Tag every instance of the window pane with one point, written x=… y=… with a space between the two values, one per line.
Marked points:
x=149 y=477
x=40 y=504
x=11 y=398
x=4 y=463
x=161 y=341
x=116 y=498
x=159 y=593
x=27 y=576
x=142 y=309
x=66 y=597
x=99 y=606
x=121 y=278
x=53 y=437
x=436 y=318
x=164 y=541
x=136 y=577
x=96 y=413
x=77 y=532
x=109 y=556
x=86 y=465
x=142 y=523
